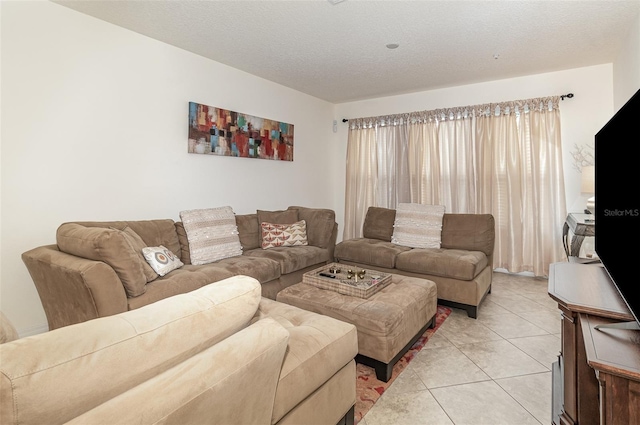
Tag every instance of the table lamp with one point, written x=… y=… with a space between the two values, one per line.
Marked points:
x=588 y=186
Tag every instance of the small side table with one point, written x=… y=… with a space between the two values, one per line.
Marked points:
x=581 y=225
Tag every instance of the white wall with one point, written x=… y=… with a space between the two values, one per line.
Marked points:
x=94 y=127
x=581 y=116
x=626 y=68
x=94 y=124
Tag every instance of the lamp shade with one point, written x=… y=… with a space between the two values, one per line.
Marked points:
x=588 y=182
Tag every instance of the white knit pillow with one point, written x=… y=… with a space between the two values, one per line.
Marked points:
x=418 y=225
x=212 y=234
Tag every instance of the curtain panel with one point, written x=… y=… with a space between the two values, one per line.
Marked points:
x=503 y=159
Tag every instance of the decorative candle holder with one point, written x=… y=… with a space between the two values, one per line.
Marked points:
x=350 y=274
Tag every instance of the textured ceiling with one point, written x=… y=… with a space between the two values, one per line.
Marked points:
x=337 y=52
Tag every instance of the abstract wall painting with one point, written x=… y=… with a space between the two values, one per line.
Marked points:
x=215 y=131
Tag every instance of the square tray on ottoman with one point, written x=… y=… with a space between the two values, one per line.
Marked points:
x=338 y=278
x=388 y=323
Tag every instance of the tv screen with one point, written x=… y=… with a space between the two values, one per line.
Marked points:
x=617 y=210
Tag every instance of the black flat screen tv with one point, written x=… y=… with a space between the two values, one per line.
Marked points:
x=617 y=203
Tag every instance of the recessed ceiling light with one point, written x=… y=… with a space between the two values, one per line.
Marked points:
x=335 y=1
x=393 y=46
x=496 y=55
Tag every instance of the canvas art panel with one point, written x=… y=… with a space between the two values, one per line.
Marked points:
x=216 y=131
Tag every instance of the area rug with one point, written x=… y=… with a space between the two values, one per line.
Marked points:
x=369 y=388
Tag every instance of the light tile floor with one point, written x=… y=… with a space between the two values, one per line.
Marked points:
x=493 y=370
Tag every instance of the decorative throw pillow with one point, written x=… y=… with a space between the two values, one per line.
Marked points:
x=212 y=234
x=418 y=225
x=274 y=235
x=161 y=259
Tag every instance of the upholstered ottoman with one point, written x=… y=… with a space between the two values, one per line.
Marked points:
x=388 y=323
x=318 y=373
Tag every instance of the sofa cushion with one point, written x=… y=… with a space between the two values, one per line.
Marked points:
x=369 y=251
x=473 y=232
x=185 y=255
x=212 y=234
x=292 y=259
x=319 y=346
x=378 y=223
x=278 y=217
x=263 y=269
x=275 y=235
x=161 y=259
x=153 y=232
x=180 y=281
x=248 y=231
x=157 y=232
x=137 y=244
x=320 y=224
x=38 y=374
x=418 y=225
x=451 y=263
x=109 y=246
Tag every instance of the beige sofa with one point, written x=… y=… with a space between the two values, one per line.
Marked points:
x=462 y=268
x=221 y=354
x=85 y=275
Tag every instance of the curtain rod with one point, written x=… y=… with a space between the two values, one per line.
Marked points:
x=562 y=96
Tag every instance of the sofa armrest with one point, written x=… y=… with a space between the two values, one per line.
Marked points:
x=73 y=289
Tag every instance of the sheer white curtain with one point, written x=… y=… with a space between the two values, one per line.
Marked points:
x=503 y=159
x=362 y=177
x=392 y=159
x=521 y=182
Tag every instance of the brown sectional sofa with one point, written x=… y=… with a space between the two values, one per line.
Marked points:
x=77 y=280
x=220 y=354
x=462 y=268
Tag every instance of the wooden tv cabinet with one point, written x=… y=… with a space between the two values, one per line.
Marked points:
x=596 y=379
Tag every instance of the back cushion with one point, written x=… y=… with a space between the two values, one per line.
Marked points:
x=109 y=246
x=248 y=231
x=157 y=232
x=473 y=232
x=153 y=232
x=378 y=223
x=320 y=224
x=185 y=254
x=277 y=217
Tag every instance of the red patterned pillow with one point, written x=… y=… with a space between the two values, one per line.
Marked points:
x=274 y=235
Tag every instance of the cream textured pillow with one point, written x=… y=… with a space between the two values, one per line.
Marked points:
x=212 y=234
x=274 y=235
x=418 y=225
x=161 y=259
